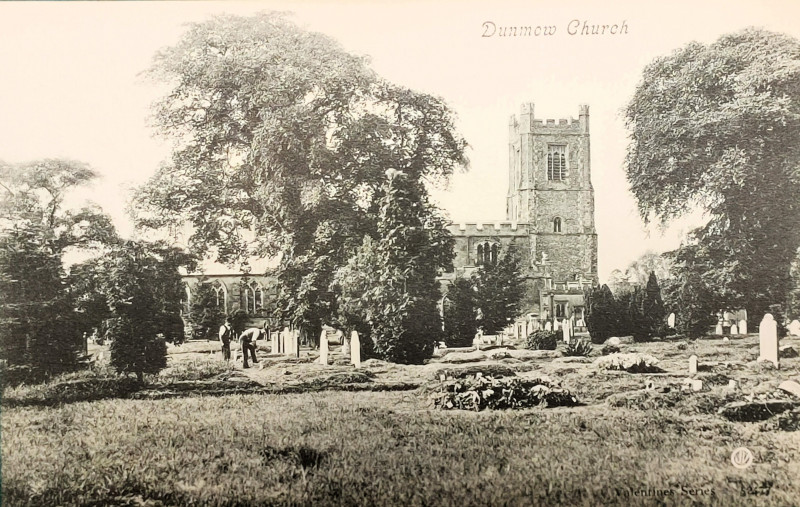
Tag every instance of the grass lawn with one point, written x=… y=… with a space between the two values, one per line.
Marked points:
x=390 y=448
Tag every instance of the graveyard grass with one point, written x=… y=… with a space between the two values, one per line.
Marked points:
x=391 y=447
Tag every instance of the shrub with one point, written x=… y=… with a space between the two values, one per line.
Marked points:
x=609 y=349
x=491 y=393
x=578 y=348
x=601 y=318
x=460 y=312
x=543 y=340
x=632 y=363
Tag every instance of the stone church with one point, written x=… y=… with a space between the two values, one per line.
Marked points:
x=549 y=218
x=549 y=221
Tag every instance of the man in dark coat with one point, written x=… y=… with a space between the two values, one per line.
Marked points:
x=225 y=336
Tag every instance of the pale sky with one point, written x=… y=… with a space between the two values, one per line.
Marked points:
x=70 y=84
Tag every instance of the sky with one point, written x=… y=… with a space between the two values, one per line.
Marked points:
x=71 y=84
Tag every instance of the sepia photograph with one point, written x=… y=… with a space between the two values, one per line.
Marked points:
x=415 y=253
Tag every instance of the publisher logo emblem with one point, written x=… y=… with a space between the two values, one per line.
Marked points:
x=742 y=458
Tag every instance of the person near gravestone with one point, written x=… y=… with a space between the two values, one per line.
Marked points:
x=248 y=342
x=225 y=336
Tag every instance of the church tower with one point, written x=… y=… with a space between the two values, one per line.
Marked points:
x=550 y=189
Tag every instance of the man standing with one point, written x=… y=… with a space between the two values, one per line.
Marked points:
x=225 y=336
x=248 y=341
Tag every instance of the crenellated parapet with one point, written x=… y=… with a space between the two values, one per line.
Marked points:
x=526 y=123
x=489 y=229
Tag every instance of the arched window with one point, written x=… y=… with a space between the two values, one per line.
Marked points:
x=221 y=295
x=557 y=224
x=557 y=162
x=254 y=297
x=488 y=253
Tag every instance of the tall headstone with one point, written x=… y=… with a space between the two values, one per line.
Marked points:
x=671 y=320
x=285 y=337
x=794 y=328
x=768 y=340
x=323 y=348
x=295 y=350
x=556 y=324
x=692 y=364
x=565 y=330
x=734 y=329
x=273 y=341
x=718 y=329
x=548 y=326
x=355 y=349
x=742 y=326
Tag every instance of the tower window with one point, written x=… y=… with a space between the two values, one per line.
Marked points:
x=557 y=162
x=557 y=224
x=487 y=254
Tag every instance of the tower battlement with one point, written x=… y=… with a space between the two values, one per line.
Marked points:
x=505 y=228
x=526 y=122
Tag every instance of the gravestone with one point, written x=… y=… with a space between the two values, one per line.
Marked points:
x=285 y=337
x=671 y=320
x=556 y=324
x=742 y=326
x=295 y=350
x=718 y=329
x=565 y=331
x=273 y=341
x=794 y=328
x=323 y=348
x=548 y=326
x=355 y=349
x=734 y=329
x=692 y=364
x=768 y=340
x=791 y=387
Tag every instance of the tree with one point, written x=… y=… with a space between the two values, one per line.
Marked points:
x=390 y=285
x=715 y=126
x=204 y=311
x=688 y=294
x=144 y=289
x=653 y=311
x=460 y=313
x=282 y=141
x=601 y=313
x=499 y=290
x=39 y=325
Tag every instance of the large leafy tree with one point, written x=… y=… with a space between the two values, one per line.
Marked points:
x=716 y=126
x=281 y=143
x=39 y=325
x=499 y=291
x=389 y=287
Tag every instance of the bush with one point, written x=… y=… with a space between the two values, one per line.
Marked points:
x=578 y=348
x=543 y=340
x=460 y=312
x=632 y=363
x=491 y=393
x=601 y=316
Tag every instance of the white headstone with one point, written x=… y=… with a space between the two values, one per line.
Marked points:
x=565 y=330
x=768 y=340
x=273 y=341
x=556 y=325
x=295 y=350
x=285 y=337
x=323 y=348
x=718 y=329
x=742 y=326
x=794 y=328
x=671 y=320
x=734 y=330
x=355 y=349
x=791 y=387
x=548 y=326
x=692 y=364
